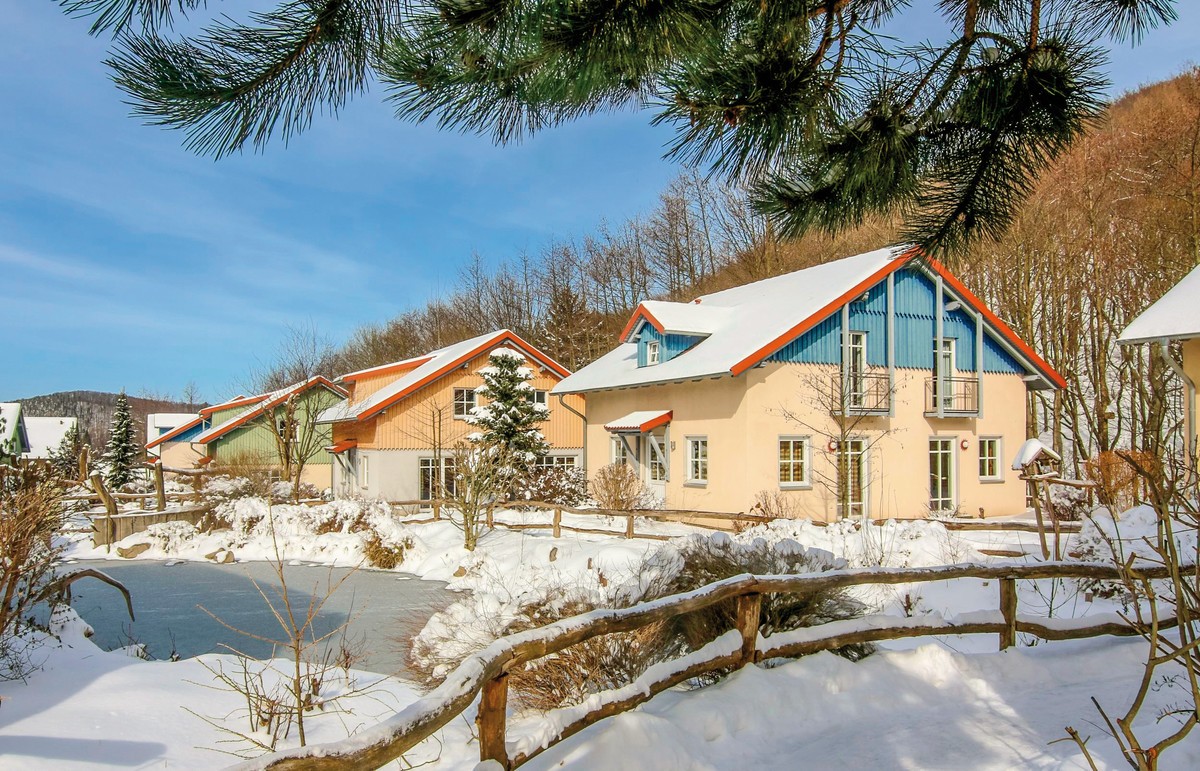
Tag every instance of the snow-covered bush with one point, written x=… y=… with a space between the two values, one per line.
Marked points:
x=565 y=485
x=170 y=537
x=1070 y=503
x=385 y=551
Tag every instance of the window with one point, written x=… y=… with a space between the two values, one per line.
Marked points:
x=943 y=371
x=555 y=461
x=856 y=363
x=464 y=402
x=656 y=455
x=941 y=475
x=651 y=353
x=793 y=461
x=697 y=459
x=852 y=478
x=989 y=458
x=433 y=484
x=620 y=452
x=364 y=471
x=540 y=398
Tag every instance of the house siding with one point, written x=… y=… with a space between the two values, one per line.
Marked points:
x=669 y=346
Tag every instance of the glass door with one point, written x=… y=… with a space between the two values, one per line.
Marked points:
x=941 y=475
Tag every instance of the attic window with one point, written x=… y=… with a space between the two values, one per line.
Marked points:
x=651 y=353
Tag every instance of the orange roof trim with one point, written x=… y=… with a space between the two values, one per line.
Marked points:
x=176 y=432
x=638 y=314
x=506 y=337
x=249 y=415
x=241 y=401
x=342 y=446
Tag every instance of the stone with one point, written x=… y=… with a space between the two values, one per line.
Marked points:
x=554 y=554
x=220 y=556
x=129 y=552
x=460 y=572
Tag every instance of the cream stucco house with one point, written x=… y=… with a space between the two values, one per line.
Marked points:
x=879 y=375
x=1174 y=317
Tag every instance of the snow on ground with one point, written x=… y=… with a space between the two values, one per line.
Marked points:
x=948 y=702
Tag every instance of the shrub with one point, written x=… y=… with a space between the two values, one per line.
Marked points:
x=688 y=564
x=776 y=504
x=386 y=554
x=617 y=487
x=564 y=485
x=1070 y=503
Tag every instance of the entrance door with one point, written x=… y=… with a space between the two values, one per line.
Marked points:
x=941 y=476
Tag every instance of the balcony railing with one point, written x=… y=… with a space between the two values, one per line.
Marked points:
x=861 y=393
x=957 y=396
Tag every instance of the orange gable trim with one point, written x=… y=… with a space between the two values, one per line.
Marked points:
x=385 y=369
x=506 y=337
x=249 y=415
x=241 y=401
x=342 y=446
x=172 y=434
x=641 y=313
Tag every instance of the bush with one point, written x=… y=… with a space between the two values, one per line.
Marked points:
x=385 y=554
x=775 y=504
x=617 y=487
x=615 y=660
x=564 y=485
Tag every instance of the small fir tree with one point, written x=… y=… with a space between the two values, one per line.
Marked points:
x=64 y=459
x=121 y=452
x=510 y=419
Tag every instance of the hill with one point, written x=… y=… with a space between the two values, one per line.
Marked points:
x=94 y=409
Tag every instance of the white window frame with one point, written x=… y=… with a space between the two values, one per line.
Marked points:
x=620 y=453
x=697 y=462
x=555 y=461
x=658 y=468
x=428 y=463
x=653 y=355
x=805 y=460
x=364 y=471
x=998 y=475
x=864 y=472
x=951 y=473
x=465 y=404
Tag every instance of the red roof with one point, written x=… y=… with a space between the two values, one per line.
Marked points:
x=342 y=446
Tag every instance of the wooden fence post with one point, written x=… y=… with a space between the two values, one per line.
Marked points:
x=110 y=506
x=1008 y=609
x=159 y=486
x=749 y=607
x=84 y=474
x=558 y=521
x=493 y=709
x=629 y=526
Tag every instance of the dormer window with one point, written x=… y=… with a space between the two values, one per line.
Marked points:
x=651 y=353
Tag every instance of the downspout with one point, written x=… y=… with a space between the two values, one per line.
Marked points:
x=939 y=330
x=891 y=343
x=1189 y=410
x=569 y=408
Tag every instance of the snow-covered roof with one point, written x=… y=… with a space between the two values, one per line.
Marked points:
x=1030 y=451
x=740 y=327
x=1174 y=316
x=13 y=428
x=261 y=403
x=46 y=434
x=432 y=366
x=639 y=422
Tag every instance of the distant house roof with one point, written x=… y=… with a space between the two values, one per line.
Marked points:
x=46 y=434
x=257 y=405
x=177 y=433
x=740 y=327
x=416 y=373
x=13 y=437
x=1173 y=317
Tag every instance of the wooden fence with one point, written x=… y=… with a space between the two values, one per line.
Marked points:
x=485 y=674
x=712 y=520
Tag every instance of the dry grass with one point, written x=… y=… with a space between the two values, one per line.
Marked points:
x=385 y=555
x=617 y=487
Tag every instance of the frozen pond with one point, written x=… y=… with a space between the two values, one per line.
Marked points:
x=384 y=608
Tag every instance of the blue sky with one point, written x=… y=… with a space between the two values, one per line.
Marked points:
x=127 y=262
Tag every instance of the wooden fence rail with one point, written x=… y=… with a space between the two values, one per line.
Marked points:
x=486 y=672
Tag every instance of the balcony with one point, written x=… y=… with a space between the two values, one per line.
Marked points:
x=863 y=393
x=958 y=396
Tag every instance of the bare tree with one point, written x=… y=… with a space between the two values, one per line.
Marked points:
x=293 y=424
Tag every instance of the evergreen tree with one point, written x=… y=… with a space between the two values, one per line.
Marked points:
x=509 y=421
x=121 y=453
x=815 y=101
x=64 y=459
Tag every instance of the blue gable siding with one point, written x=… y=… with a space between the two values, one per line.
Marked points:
x=915 y=325
x=669 y=346
x=996 y=359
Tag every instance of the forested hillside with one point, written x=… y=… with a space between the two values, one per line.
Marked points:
x=1107 y=231
x=94 y=409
